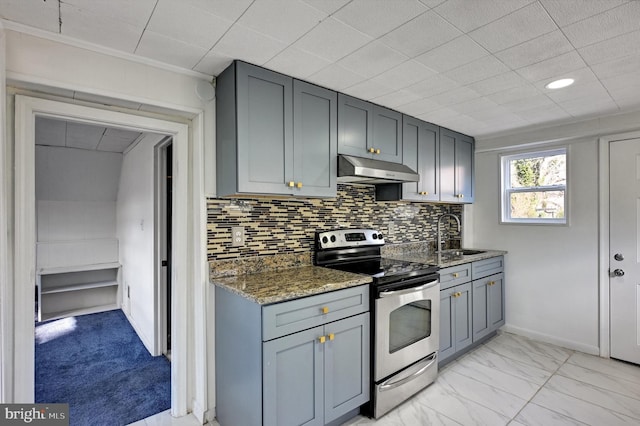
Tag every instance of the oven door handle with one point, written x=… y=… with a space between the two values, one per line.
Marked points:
x=387 y=386
x=409 y=290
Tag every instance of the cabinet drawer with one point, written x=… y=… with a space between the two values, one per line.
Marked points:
x=484 y=268
x=455 y=275
x=290 y=317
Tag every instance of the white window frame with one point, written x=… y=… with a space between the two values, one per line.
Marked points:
x=507 y=190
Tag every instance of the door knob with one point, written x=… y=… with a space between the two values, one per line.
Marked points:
x=618 y=273
x=619 y=257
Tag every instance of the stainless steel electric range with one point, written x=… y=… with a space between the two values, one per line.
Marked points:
x=405 y=311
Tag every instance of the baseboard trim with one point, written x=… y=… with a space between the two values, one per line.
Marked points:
x=140 y=334
x=198 y=412
x=546 y=338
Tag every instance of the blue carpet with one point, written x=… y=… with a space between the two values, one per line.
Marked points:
x=98 y=365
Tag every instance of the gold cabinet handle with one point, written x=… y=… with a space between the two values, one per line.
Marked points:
x=299 y=185
x=492 y=283
x=377 y=151
x=457 y=294
x=291 y=184
x=455 y=275
x=322 y=339
x=372 y=150
x=332 y=336
x=325 y=309
x=460 y=195
x=424 y=193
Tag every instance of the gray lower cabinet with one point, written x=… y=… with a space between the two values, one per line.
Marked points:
x=274 y=134
x=456 y=167
x=301 y=362
x=455 y=319
x=421 y=152
x=368 y=130
x=471 y=304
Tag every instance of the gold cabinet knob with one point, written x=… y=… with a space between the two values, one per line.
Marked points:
x=377 y=151
x=492 y=283
x=291 y=184
x=331 y=336
x=372 y=150
x=457 y=294
x=299 y=185
x=322 y=339
x=325 y=309
x=455 y=275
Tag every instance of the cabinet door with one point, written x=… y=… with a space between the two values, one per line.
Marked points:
x=463 y=334
x=481 y=322
x=387 y=134
x=264 y=130
x=496 y=302
x=447 y=322
x=420 y=151
x=347 y=372
x=315 y=135
x=355 y=126
x=456 y=167
x=293 y=380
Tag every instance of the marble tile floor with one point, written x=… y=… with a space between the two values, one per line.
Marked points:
x=511 y=380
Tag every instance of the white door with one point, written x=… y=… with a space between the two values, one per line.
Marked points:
x=624 y=249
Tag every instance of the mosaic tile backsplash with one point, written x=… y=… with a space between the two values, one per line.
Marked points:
x=288 y=225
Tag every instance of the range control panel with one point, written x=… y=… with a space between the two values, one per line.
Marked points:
x=343 y=238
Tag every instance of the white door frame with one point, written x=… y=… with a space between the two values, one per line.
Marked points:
x=26 y=110
x=603 y=236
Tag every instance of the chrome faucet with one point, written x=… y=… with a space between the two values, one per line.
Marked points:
x=439 y=247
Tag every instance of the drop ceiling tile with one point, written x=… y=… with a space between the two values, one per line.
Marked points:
x=284 y=20
x=591 y=91
x=615 y=67
x=566 y=12
x=85 y=25
x=455 y=96
x=498 y=83
x=213 y=64
x=528 y=103
x=623 y=87
x=432 y=3
x=332 y=40
x=581 y=76
x=50 y=132
x=368 y=90
x=396 y=98
x=187 y=24
x=228 y=9
x=378 y=17
x=327 y=6
x=515 y=94
x=248 y=45
x=297 y=63
x=582 y=109
x=372 y=59
x=165 y=49
x=35 y=13
x=614 y=48
x=606 y=25
x=418 y=107
x=404 y=75
x=453 y=54
x=336 y=77
x=421 y=34
x=540 y=48
x=438 y=115
x=553 y=68
x=522 y=25
x=133 y=12
x=480 y=69
x=433 y=85
x=493 y=113
x=544 y=114
x=117 y=140
x=469 y=15
x=83 y=136
x=472 y=105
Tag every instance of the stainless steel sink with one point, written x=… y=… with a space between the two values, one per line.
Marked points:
x=461 y=252
x=471 y=252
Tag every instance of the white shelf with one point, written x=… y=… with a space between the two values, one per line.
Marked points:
x=75 y=287
x=75 y=312
x=78 y=268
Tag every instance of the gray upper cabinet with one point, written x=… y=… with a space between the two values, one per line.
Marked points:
x=456 y=167
x=274 y=135
x=421 y=152
x=368 y=130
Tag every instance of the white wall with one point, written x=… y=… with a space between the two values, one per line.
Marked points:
x=136 y=226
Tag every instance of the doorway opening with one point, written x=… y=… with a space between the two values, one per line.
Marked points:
x=164 y=215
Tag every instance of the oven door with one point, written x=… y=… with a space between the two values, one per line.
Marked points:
x=407 y=326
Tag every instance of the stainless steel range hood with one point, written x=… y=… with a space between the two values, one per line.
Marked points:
x=369 y=171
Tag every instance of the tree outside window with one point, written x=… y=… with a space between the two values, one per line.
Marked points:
x=534 y=187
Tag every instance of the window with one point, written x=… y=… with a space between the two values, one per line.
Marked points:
x=534 y=187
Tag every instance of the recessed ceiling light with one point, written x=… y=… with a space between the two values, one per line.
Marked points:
x=559 y=84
